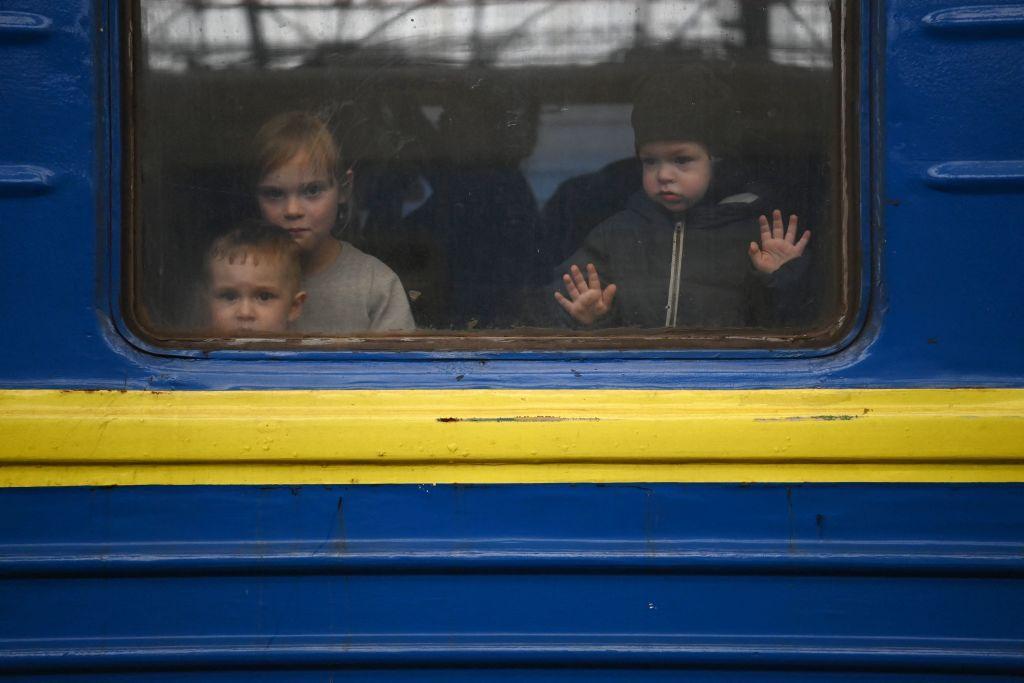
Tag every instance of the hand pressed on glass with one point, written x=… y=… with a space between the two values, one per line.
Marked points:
x=588 y=300
x=778 y=246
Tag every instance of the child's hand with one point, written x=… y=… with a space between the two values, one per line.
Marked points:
x=777 y=247
x=589 y=302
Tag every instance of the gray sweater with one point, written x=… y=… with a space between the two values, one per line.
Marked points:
x=356 y=293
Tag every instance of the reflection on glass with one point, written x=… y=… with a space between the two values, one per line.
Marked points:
x=186 y=34
x=480 y=149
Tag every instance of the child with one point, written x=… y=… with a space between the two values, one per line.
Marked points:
x=304 y=188
x=677 y=260
x=252 y=281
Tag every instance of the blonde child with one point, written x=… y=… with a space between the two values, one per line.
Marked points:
x=252 y=281
x=304 y=187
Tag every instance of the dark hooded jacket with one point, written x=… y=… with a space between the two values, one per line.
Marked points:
x=718 y=286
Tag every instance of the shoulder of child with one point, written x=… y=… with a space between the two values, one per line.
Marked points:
x=355 y=259
x=389 y=305
x=633 y=215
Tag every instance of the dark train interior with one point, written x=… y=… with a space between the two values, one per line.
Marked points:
x=482 y=154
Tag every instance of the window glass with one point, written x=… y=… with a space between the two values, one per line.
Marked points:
x=600 y=171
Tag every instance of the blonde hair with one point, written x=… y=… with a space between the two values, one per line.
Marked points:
x=292 y=133
x=299 y=132
x=253 y=239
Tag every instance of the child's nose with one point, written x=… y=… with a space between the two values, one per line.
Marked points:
x=246 y=309
x=293 y=207
x=664 y=172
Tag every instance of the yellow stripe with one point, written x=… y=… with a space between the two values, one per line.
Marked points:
x=55 y=438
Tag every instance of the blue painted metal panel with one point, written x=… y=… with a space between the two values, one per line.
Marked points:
x=848 y=579
x=744 y=583
x=978 y=176
x=990 y=19
x=944 y=280
x=23 y=23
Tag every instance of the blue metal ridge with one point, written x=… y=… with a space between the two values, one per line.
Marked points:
x=23 y=24
x=461 y=649
x=978 y=19
x=967 y=176
x=20 y=180
x=796 y=556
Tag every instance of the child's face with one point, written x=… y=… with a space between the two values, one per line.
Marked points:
x=246 y=297
x=302 y=200
x=676 y=173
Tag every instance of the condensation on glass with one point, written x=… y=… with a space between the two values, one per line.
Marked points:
x=481 y=149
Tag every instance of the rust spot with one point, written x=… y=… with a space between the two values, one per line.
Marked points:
x=804 y=418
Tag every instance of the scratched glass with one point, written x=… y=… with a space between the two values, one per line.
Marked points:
x=469 y=169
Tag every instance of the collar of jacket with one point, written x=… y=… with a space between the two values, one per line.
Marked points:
x=704 y=215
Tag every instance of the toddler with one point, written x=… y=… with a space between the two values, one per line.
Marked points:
x=252 y=281
x=677 y=260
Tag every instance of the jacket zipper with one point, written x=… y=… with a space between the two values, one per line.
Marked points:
x=675 y=274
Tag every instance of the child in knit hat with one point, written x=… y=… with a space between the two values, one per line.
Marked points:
x=672 y=258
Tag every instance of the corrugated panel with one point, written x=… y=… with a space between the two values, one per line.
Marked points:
x=743 y=579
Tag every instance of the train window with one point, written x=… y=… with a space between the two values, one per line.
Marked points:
x=461 y=174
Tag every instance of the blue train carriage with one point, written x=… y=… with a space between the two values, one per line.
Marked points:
x=839 y=500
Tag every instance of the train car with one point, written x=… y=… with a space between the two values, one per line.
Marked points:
x=839 y=497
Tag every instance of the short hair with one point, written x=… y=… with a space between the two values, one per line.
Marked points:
x=252 y=239
x=290 y=133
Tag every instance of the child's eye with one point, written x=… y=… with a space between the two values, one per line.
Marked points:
x=266 y=296
x=648 y=161
x=227 y=295
x=270 y=193
x=682 y=161
x=313 y=190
